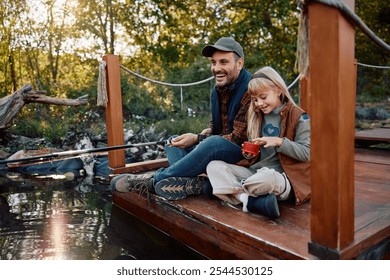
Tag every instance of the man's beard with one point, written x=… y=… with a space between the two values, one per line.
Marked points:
x=228 y=84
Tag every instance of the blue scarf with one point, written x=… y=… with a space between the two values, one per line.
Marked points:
x=237 y=91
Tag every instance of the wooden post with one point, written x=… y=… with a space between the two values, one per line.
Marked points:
x=114 y=115
x=332 y=90
x=304 y=101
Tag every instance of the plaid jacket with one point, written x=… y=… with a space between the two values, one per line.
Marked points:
x=229 y=110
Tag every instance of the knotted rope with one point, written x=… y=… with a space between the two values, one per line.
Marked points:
x=302 y=54
x=102 y=97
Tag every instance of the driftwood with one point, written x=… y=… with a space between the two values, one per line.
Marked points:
x=12 y=104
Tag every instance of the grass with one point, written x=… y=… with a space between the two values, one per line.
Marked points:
x=182 y=124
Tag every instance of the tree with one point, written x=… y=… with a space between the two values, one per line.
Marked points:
x=98 y=18
x=10 y=12
x=55 y=45
x=12 y=104
x=373 y=82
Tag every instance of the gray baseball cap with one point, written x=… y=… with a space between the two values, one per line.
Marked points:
x=225 y=44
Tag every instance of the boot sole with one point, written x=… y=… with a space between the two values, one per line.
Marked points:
x=176 y=188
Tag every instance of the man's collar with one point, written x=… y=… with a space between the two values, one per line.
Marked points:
x=226 y=88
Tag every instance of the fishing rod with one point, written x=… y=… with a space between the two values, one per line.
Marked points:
x=80 y=152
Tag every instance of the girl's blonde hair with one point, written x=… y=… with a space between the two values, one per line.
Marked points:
x=263 y=80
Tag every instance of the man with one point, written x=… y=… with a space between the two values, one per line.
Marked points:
x=189 y=154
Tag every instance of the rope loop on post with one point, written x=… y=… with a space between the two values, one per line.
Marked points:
x=102 y=97
x=302 y=54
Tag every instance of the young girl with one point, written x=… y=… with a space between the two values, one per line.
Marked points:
x=281 y=170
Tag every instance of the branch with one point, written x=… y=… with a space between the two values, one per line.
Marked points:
x=11 y=105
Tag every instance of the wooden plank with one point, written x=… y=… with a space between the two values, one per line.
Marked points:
x=376 y=134
x=372 y=199
x=114 y=115
x=379 y=156
x=221 y=232
x=372 y=137
x=332 y=101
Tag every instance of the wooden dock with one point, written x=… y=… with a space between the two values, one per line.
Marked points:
x=348 y=214
x=219 y=231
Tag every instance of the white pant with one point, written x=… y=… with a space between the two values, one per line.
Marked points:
x=228 y=180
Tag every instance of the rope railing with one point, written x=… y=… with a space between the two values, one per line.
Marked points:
x=164 y=83
x=182 y=85
x=294 y=82
x=102 y=91
x=356 y=21
x=373 y=66
x=168 y=84
x=302 y=61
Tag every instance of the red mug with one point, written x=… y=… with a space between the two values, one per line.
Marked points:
x=251 y=148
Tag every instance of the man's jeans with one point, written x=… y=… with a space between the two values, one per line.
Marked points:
x=193 y=161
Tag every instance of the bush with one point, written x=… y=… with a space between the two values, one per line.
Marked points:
x=182 y=123
x=51 y=129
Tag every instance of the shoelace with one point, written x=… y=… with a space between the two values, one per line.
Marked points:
x=140 y=186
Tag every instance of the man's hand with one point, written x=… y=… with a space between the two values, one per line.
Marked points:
x=206 y=131
x=185 y=140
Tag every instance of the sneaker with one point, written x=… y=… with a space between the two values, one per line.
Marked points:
x=266 y=205
x=130 y=182
x=175 y=188
x=208 y=190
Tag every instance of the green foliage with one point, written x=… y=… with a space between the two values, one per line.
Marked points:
x=58 y=47
x=182 y=123
x=53 y=129
x=373 y=84
x=148 y=99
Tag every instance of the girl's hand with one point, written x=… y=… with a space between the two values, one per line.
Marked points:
x=269 y=141
x=247 y=155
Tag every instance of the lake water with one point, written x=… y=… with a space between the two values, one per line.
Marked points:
x=51 y=216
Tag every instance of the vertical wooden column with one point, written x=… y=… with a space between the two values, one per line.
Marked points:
x=114 y=115
x=304 y=101
x=332 y=90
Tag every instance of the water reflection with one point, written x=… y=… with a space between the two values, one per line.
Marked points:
x=144 y=242
x=51 y=217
